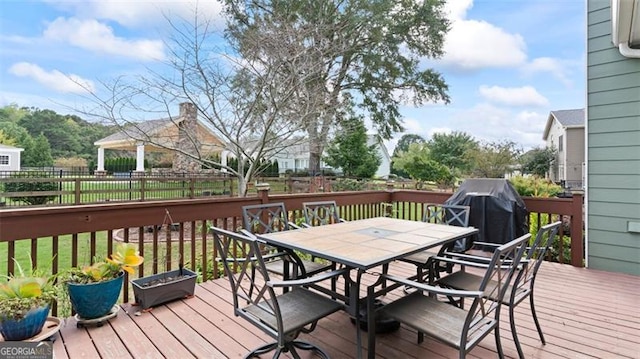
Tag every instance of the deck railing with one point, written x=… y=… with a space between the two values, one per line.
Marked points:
x=175 y=231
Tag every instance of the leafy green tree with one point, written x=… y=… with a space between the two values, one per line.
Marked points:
x=538 y=161
x=493 y=159
x=6 y=140
x=12 y=113
x=349 y=151
x=403 y=146
x=405 y=141
x=449 y=149
x=62 y=132
x=417 y=162
x=347 y=55
x=41 y=155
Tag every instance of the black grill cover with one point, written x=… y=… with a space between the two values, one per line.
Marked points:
x=497 y=210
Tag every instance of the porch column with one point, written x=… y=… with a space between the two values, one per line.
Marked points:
x=100 y=172
x=140 y=157
x=223 y=159
x=100 y=158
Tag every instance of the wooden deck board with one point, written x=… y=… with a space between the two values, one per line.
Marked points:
x=584 y=314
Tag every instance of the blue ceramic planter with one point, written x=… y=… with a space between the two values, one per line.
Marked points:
x=25 y=328
x=95 y=300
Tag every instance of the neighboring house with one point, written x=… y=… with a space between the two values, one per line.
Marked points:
x=164 y=135
x=564 y=132
x=613 y=136
x=9 y=158
x=296 y=157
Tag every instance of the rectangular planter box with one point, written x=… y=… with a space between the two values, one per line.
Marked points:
x=148 y=293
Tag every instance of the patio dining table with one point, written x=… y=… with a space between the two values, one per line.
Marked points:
x=365 y=244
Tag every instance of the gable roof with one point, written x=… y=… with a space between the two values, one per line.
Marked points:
x=10 y=148
x=567 y=118
x=160 y=131
x=137 y=130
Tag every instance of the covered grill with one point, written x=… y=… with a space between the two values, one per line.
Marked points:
x=497 y=210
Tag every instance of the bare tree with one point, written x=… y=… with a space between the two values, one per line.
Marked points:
x=248 y=104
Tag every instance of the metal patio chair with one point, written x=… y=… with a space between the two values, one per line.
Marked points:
x=284 y=316
x=454 y=326
x=523 y=284
x=454 y=215
x=273 y=217
x=321 y=213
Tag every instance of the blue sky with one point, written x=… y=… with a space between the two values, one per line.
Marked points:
x=508 y=63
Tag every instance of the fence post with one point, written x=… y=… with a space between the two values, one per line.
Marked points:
x=577 y=235
x=263 y=192
x=77 y=191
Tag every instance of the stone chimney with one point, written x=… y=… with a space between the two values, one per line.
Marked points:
x=187 y=139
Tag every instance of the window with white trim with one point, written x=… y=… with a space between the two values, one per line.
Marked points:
x=4 y=160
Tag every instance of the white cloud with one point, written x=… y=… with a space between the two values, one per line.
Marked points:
x=486 y=122
x=95 y=36
x=472 y=45
x=434 y=130
x=475 y=44
x=140 y=13
x=558 y=68
x=56 y=80
x=457 y=9
x=513 y=96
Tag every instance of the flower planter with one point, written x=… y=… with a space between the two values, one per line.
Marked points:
x=163 y=287
x=24 y=328
x=95 y=300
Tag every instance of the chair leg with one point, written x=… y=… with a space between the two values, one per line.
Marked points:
x=385 y=270
x=535 y=318
x=512 y=322
x=289 y=347
x=498 y=343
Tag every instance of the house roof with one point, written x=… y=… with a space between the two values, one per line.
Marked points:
x=136 y=130
x=567 y=118
x=153 y=132
x=10 y=148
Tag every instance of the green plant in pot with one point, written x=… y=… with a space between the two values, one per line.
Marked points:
x=25 y=298
x=94 y=290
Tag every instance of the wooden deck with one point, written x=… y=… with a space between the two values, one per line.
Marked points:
x=584 y=314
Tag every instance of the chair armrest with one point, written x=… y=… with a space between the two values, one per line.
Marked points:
x=308 y=280
x=469 y=257
x=486 y=244
x=460 y=262
x=305 y=225
x=247 y=233
x=469 y=263
x=433 y=289
x=294 y=226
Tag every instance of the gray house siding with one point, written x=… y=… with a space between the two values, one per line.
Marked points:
x=613 y=155
x=574 y=156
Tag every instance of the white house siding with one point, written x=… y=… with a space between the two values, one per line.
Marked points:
x=613 y=154
x=9 y=158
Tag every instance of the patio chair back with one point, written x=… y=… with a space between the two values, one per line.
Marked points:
x=321 y=213
x=485 y=311
x=534 y=256
x=284 y=316
x=454 y=215
x=265 y=218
